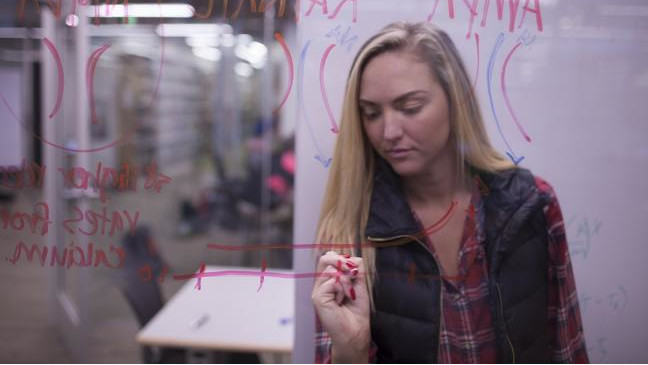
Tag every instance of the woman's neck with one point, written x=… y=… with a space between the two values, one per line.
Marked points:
x=438 y=186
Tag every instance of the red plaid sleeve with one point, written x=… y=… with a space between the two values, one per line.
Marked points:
x=565 y=327
x=323 y=346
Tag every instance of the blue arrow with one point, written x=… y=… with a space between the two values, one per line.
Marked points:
x=325 y=161
x=489 y=78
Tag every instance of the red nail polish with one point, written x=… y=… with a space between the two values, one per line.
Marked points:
x=347 y=256
x=355 y=272
x=350 y=264
x=352 y=292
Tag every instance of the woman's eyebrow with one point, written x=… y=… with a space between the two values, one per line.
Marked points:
x=366 y=102
x=363 y=101
x=401 y=99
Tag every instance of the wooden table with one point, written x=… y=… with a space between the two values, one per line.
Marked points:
x=227 y=313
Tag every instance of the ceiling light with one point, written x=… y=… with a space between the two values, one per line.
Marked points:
x=228 y=40
x=202 y=41
x=176 y=10
x=207 y=53
x=243 y=69
x=192 y=29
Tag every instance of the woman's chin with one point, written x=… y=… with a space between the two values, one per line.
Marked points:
x=405 y=168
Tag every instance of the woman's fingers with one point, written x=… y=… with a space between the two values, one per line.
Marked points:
x=346 y=283
x=343 y=264
x=337 y=287
x=336 y=277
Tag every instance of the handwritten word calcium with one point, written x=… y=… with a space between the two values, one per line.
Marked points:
x=72 y=255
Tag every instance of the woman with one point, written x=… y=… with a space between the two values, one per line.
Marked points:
x=458 y=255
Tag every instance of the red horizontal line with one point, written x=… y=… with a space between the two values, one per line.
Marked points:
x=298 y=246
x=329 y=246
x=289 y=246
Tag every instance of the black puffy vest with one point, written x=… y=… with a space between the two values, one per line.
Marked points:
x=405 y=324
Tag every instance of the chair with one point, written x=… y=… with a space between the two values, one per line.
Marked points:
x=145 y=296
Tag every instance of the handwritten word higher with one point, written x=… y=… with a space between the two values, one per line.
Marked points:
x=513 y=5
x=23 y=176
x=122 y=179
x=72 y=255
x=100 y=222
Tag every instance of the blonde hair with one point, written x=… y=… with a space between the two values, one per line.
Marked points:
x=345 y=209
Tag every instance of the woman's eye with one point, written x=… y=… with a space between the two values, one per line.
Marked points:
x=412 y=110
x=370 y=115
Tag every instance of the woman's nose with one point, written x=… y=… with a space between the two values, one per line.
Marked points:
x=393 y=127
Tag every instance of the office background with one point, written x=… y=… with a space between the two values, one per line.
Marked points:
x=218 y=123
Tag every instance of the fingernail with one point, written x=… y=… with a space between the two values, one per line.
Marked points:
x=352 y=292
x=347 y=256
x=355 y=272
x=350 y=264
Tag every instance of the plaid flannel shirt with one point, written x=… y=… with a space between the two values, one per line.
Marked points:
x=467 y=334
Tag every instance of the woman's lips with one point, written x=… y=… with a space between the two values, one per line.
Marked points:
x=398 y=153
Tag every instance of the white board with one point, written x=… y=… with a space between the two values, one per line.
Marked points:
x=579 y=89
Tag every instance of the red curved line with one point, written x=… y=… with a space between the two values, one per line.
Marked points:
x=291 y=68
x=473 y=12
x=431 y=15
x=505 y=93
x=334 y=127
x=477 y=72
x=441 y=222
x=61 y=77
x=128 y=133
x=263 y=269
x=90 y=72
x=199 y=281
x=13 y=113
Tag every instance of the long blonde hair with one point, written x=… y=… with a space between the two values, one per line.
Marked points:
x=345 y=209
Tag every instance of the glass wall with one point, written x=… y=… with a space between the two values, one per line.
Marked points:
x=158 y=142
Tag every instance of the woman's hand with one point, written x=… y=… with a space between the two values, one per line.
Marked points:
x=342 y=304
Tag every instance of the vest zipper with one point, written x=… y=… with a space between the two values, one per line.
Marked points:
x=439 y=278
x=501 y=307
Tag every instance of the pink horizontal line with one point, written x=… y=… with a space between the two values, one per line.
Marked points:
x=281 y=275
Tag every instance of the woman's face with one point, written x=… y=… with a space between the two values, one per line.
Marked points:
x=405 y=113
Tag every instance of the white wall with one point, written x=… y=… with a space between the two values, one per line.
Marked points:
x=579 y=89
x=11 y=137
